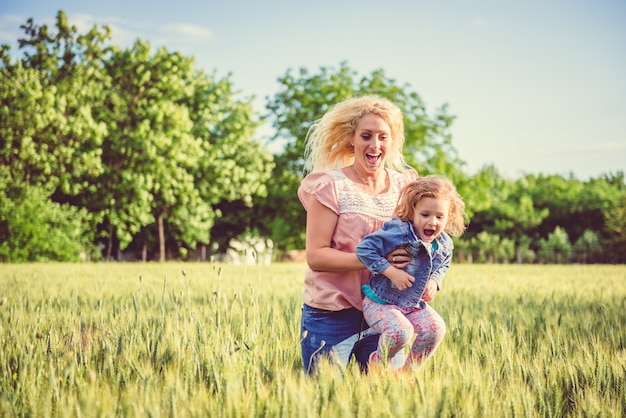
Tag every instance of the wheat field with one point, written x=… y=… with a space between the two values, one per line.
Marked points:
x=218 y=340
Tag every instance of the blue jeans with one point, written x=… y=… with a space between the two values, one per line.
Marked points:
x=339 y=334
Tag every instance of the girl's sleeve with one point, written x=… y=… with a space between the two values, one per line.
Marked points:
x=318 y=186
x=441 y=271
x=373 y=248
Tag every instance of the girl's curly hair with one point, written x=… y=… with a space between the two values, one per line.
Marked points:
x=437 y=187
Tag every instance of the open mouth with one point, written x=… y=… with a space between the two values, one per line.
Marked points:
x=373 y=159
x=429 y=232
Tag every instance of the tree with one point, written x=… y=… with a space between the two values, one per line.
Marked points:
x=34 y=228
x=524 y=252
x=304 y=98
x=615 y=219
x=577 y=206
x=145 y=143
x=490 y=248
x=50 y=138
x=559 y=196
x=151 y=153
x=48 y=132
x=557 y=248
x=587 y=247
x=182 y=147
x=462 y=250
x=503 y=208
x=234 y=168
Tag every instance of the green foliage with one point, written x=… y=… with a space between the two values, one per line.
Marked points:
x=223 y=341
x=576 y=207
x=34 y=228
x=485 y=248
x=503 y=207
x=615 y=219
x=151 y=153
x=47 y=126
x=282 y=215
x=530 y=209
x=162 y=158
x=525 y=253
x=587 y=247
x=235 y=168
x=144 y=142
x=556 y=249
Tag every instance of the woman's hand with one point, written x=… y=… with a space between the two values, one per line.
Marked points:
x=399 y=258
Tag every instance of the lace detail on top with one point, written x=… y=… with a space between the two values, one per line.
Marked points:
x=352 y=199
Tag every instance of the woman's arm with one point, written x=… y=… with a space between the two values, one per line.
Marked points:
x=320 y=226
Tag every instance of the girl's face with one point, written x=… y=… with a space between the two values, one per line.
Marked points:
x=430 y=217
x=372 y=139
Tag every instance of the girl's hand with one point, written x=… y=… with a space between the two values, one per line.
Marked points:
x=399 y=258
x=400 y=278
x=430 y=291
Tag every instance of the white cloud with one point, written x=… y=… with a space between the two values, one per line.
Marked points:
x=123 y=36
x=83 y=22
x=11 y=20
x=186 y=29
x=10 y=30
x=123 y=32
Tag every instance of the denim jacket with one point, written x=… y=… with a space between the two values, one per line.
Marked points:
x=426 y=263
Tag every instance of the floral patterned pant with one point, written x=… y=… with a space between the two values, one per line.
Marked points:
x=397 y=327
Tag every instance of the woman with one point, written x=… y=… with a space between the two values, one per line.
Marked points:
x=354 y=155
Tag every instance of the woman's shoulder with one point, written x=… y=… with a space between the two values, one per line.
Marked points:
x=321 y=185
x=319 y=179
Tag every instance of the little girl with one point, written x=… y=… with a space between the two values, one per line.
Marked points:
x=395 y=298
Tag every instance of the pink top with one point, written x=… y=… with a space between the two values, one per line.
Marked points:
x=360 y=213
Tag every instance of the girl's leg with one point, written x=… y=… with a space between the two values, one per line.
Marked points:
x=395 y=329
x=430 y=329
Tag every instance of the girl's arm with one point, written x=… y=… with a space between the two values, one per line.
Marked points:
x=375 y=248
x=438 y=274
x=436 y=278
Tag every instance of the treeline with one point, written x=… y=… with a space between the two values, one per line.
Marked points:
x=107 y=151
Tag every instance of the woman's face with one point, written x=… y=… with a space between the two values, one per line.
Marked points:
x=372 y=141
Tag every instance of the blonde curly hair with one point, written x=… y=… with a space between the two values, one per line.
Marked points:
x=328 y=142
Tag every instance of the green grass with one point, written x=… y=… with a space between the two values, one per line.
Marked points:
x=87 y=340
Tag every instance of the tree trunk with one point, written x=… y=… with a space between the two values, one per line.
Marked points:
x=109 y=244
x=161 y=238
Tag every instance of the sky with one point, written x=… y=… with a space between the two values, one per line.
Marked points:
x=536 y=86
